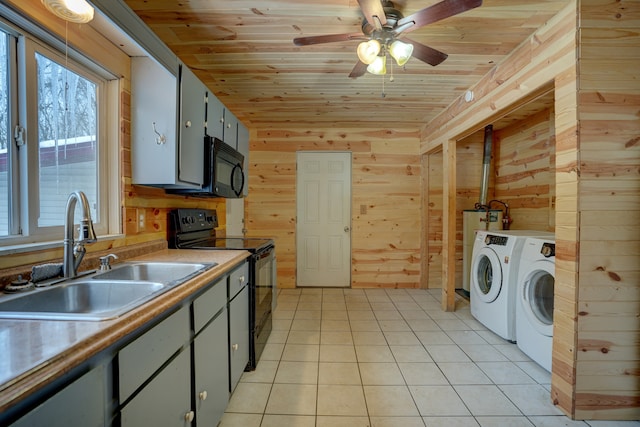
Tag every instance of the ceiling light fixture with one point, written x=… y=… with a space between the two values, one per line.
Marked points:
x=78 y=11
x=378 y=66
x=401 y=52
x=368 y=51
x=373 y=53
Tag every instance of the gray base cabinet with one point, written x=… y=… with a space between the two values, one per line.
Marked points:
x=179 y=372
x=238 y=336
x=82 y=403
x=211 y=371
x=165 y=401
x=139 y=360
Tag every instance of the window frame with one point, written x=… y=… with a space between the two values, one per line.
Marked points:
x=25 y=207
x=12 y=109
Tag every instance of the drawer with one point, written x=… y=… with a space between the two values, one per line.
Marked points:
x=209 y=303
x=140 y=359
x=165 y=401
x=238 y=279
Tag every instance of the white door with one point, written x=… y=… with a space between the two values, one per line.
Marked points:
x=323 y=227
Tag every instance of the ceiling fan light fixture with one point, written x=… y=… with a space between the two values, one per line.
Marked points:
x=78 y=11
x=368 y=51
x=378 y=66
x=401 y=52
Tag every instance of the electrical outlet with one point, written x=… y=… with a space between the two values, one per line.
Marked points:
x=141 y=219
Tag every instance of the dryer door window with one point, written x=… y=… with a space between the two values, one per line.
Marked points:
x=538 y=296
x=486 y=275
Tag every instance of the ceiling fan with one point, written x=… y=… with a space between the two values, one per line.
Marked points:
x=382 y=28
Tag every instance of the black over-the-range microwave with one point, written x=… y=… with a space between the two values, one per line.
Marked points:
x=223 y=173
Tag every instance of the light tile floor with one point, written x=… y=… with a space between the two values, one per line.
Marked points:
x=390 y=358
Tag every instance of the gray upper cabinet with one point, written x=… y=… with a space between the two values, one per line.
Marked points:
x=167 y=126
x=172 y=110
x=192 y=125
x=224 y=125
x=230 y=129
x=153 y=122
x=215 y=117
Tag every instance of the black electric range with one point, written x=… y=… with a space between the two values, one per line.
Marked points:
x=195 y=229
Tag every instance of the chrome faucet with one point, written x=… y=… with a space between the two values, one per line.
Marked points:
x=73 y=253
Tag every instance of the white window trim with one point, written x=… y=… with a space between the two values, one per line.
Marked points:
x=109 y=158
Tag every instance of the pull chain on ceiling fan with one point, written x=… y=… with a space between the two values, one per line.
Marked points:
x=382 y=28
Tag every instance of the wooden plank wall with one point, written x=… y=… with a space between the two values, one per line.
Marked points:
x=433 y=219
x=468 y=176
x=386 y=209
x=548 y=58
x=597 y=211
x=469 y=153
x=608 y=323
x=522 y=174
x=525 y=171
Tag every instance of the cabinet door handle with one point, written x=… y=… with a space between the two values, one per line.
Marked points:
x=189 y=416
x=234 y=347
x=241 y=280
x=203 y=395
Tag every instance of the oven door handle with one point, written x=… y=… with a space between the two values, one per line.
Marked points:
x=264 y=253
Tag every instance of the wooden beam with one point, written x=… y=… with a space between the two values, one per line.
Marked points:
x=424 y=223
x=449 y=227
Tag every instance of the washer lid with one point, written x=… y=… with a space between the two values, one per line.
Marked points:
x=486 y=275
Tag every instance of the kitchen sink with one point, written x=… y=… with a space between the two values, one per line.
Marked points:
x=85 y=299
x=103 y=296
x=163 y=272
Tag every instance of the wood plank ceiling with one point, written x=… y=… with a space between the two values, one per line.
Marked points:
x=243 y=51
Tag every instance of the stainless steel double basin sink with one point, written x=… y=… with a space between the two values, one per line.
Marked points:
x=101 y=296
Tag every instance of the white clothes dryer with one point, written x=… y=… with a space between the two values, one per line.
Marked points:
x=494 y=275
x=534 y=311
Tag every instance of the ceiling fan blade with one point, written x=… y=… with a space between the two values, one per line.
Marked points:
x=330 y=38
x=437 y=12
x=425 y=53
x=358 y=70
x=373 y=12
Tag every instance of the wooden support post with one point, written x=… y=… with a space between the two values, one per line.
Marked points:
x=449 y=227
x=424 y=224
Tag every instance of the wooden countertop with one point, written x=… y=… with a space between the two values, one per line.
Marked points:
x=34 y=353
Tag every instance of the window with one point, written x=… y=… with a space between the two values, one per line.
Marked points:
x=54 y=137
x=4 y=133
x=67 y=145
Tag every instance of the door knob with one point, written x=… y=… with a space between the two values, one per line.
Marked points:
x=346 y=229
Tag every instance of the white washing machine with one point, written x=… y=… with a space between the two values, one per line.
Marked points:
x=494 y=275
x=534 y=310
